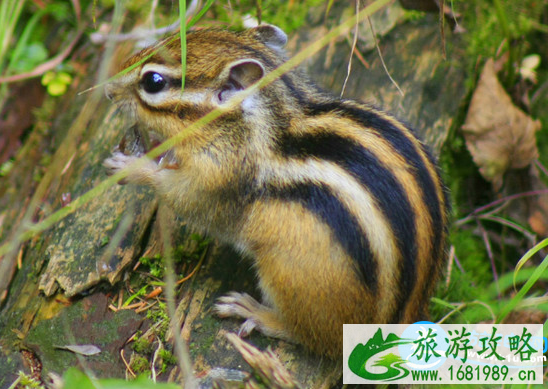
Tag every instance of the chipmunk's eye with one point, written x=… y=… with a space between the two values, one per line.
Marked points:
x=153 y=82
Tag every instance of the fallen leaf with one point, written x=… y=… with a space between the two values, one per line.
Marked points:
x=83 y=349
x=498 y=134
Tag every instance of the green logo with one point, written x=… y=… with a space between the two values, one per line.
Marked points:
x=363 y=353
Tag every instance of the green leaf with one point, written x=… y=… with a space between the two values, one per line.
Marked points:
x=528 y=255
x=31 y=56
x=48 y=78
x=56 y=82
x=60 y=11
x=328 y=8
x=197 y=17
x=64 y=78
x=74 y=378
x=540 y=269
x=57 y=88
x=6 y=167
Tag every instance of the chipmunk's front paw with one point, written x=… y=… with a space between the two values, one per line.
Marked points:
x=138 y=169
x=258 y=316
x=117 y=162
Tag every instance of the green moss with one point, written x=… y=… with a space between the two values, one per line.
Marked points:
x=46 y=335
x=159 y=316
x=189 y=252
x=288 y=15
x=27 y=382
x=470 y=251
x=412 y=15
x=155 y=265
x=142 y=345
x=104 y=241
x=140 y=365
x=497 y=27
x=168 y=359
x=467 y=187
x=208 y=325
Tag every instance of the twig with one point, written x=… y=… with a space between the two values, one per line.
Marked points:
x=483 y=208
x=100 y=38
x=150 y=18
x=541 y=167
x=120 y=298
x=361 y=58
x=46 y=66
x=454 y=16
x=134 y=305
x=157 y=291
x=460 y=306
x=381 y=57
x=531 y=237
x=354 y=42
x=77 y=9
x=146 y=307
x=155 y=358
x=452 y=259
x=127 y=364
x=487 y=243
x=194 y=270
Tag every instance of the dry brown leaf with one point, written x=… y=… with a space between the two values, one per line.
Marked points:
x=498 y=134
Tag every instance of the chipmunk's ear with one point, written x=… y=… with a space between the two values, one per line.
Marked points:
x=270 y=35
x=239 y=75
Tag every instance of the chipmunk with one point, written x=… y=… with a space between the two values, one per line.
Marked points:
x=339 y=206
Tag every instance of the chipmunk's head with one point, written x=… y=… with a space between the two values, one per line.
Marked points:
x=219 y=65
